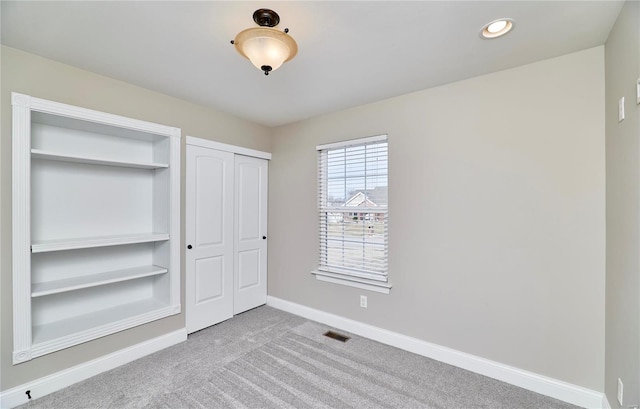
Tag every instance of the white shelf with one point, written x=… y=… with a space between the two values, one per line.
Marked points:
x=85 y=322
x=92 y=160
x=94 y=280
x=89 y=242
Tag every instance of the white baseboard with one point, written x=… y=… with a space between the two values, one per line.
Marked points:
x=51 y=383
x=543 y=385
x=605 y=402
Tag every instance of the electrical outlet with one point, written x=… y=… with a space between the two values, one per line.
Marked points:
x=363 y=301
x=621 y=110
x=620 y=391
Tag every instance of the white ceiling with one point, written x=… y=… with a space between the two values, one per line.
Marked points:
x=350 y=53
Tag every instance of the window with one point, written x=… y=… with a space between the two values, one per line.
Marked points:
x=352 y=208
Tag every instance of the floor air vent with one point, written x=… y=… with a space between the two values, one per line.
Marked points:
x=336 y=336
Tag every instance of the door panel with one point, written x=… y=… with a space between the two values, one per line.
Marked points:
x=209 y=279
x=250 y=262
x=248 y=269
x=209 y=200
x=248 y=203
x=209 y=232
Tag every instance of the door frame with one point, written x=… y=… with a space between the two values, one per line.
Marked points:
x=205 y=143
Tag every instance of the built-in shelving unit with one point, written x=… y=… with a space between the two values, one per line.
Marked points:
x=95 y=224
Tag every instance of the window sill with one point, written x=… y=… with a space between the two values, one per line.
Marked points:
x=364 y=284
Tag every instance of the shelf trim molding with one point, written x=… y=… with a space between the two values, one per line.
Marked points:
x=84 y=114
x=94 y=280
x=21 y=199
x=61 y=157
x=46 y=347
x=174 y=221
x=91 y=242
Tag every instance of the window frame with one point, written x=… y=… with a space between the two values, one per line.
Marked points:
x=377 y=281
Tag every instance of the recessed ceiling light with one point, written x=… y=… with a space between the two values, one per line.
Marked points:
x=496 y=28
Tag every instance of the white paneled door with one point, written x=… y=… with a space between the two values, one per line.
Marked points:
x=209 y=237
x=226 y=235
x=250 y=262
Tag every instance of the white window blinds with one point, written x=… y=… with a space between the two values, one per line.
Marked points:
x=352 y=207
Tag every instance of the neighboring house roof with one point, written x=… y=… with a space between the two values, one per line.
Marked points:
x=368 y=198
x=360 y=199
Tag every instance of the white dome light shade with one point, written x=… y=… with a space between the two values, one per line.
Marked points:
x=265 y=51
x=266 y=47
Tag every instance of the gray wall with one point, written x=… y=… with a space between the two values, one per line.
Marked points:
x=622 y=59
x=497 y=216
x=43 y=78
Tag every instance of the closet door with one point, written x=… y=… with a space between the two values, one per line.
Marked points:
x=209 y=237
x=250 y=261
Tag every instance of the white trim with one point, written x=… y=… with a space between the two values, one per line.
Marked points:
x=54 y=382
x=605 y=402
x=48 y=155
x=205 y=143
x=541 y=384
x=379 y=287
x=91 y=242
x=21 y=222
x=352 y=142
x=78 y=337
x=71 y=111
x=174 y=218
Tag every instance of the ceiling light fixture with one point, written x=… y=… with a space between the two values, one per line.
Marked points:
x=496 y=28
x=266 y=47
